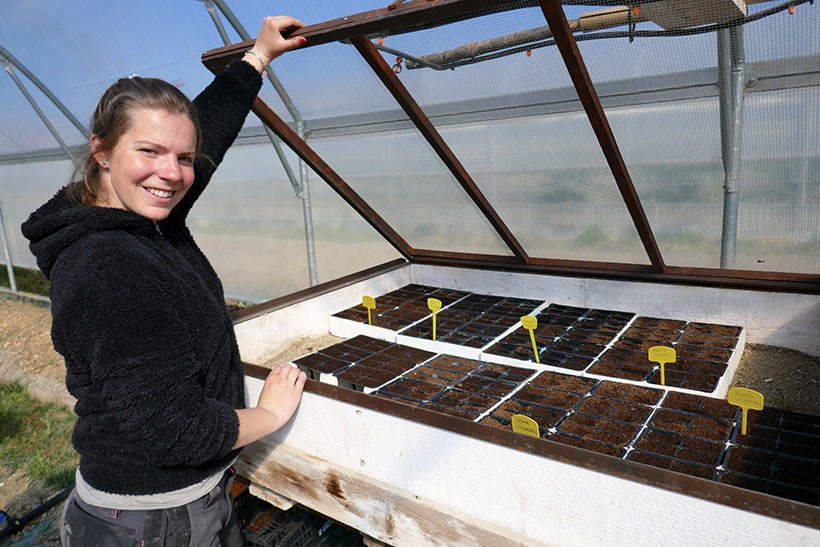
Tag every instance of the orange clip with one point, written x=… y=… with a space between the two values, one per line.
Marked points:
x=529 y=53
x=636 y=10
x=381 y=41
x=791 y=9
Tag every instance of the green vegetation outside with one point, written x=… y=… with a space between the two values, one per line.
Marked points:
x=27 y=279
x=35 y=437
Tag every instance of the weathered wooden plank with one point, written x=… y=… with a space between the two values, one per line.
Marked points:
x=375 y=508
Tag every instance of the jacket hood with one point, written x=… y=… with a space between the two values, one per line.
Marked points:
x=60 y=222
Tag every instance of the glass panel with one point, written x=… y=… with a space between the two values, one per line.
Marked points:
x=396 y=172
x=251 y=226
x=539 y=165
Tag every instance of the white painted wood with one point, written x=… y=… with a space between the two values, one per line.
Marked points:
x=349 y=329
x=263 y=337
x=528 y=496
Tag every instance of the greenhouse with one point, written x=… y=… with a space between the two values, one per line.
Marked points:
x=419 y=179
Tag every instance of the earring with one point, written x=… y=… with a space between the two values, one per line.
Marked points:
x=104 y=163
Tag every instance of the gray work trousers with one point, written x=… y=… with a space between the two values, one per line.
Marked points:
x=209 y=521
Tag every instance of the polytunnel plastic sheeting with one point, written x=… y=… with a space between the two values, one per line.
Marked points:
x=23 y=188
x=77 y=49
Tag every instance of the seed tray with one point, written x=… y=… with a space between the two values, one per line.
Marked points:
x=486 y=386
x=672 y=445
x=504 y=372
x=567 y=382
x=713 y=329
x=704 y=406
x=665 y=336
x=547 y=396
x=454 y=363
x=587 y=444
x=658 y=323
x=613 y=432
x=687 y=423
x=620 y=391
x=684 y=379
x=544 y=416
x=620 y=411
x=462 y=404
x=430 y=374
x=705 y=340
x=638 y=372
x=673 y=464
x=412 y=390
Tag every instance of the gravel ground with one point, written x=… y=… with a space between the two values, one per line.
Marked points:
x=787 y=379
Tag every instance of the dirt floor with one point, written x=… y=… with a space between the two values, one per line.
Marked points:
x=787 y=379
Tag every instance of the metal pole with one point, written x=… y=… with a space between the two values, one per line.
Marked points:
x=307 y=212
x=9 y=264
x=301 y=188
x=5 y=55
x=10 y=69
x=731 y=70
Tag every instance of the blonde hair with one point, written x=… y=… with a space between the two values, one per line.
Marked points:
x=113 y=117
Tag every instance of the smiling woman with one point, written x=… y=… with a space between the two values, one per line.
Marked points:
x=140 y=317
x=152 y=166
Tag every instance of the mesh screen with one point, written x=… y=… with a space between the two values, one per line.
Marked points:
x=666 y=118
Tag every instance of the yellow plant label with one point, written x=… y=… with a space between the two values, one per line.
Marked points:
x=435 y=305
x=530 y=323
x=370 y=303
x=662 y=355
x=747 y=399
x=526 y=425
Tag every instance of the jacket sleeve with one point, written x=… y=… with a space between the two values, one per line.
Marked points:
x=131 y=362
x=222 y=108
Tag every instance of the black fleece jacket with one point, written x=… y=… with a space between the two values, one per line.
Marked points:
x=139 y=315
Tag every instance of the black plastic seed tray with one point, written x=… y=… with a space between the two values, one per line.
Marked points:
x=298 y=528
